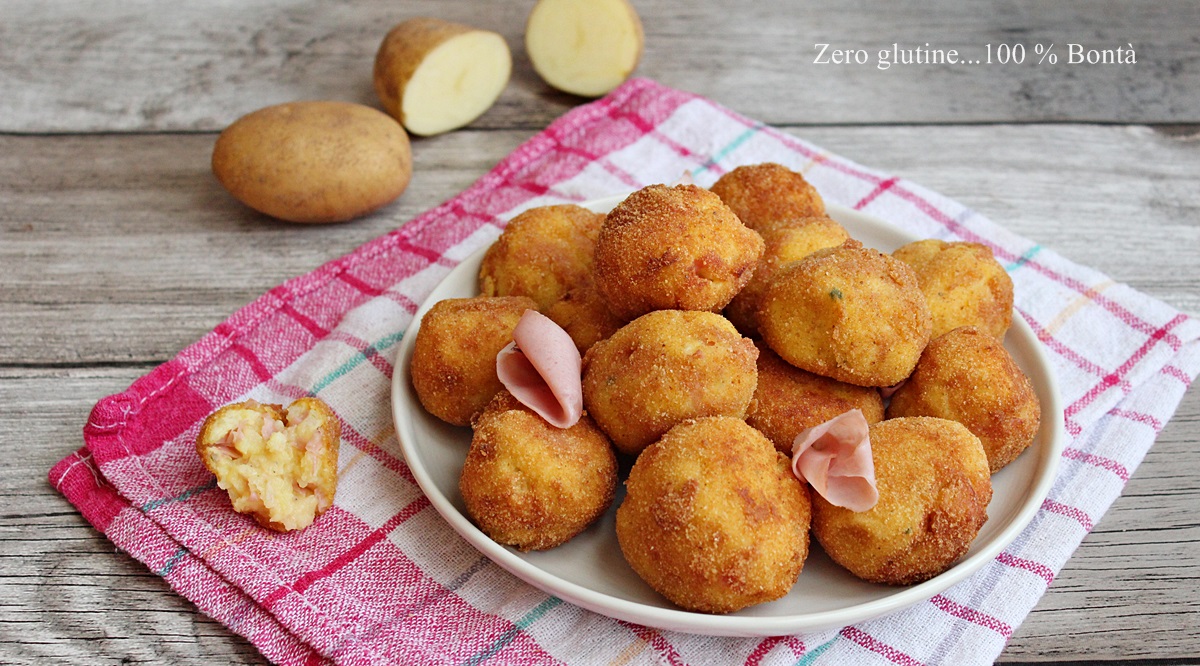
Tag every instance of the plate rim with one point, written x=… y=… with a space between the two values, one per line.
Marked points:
x=677 y=619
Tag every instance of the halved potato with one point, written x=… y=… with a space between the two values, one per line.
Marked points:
x=435 y=76
x=584 y=47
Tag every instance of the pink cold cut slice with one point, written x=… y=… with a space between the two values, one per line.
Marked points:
x=835 y=458
x=541 y=368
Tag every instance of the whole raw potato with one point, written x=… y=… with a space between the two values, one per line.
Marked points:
x=319 y=161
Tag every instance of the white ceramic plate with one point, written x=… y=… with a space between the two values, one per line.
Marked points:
x=590 y=571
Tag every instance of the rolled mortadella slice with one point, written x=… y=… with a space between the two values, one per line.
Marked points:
x=541 y=368
x=835 y=459
x=888 y=391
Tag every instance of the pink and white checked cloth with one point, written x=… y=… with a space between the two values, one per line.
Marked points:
x=381 y=578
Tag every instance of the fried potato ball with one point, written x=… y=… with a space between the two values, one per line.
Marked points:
x=850 y=313
x=934 y=489
x=785 y=241
x=763 y=193
x=531 y=485
x=584 y=315
x=963 y=284
x=453 y=365
x=542 y=253
x=713 y=518
x=278 y=465
x=672 y=248
x=665 y=367
x=968 y=376
x=789 y=400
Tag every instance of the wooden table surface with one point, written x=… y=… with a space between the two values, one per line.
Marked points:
x=118 y=247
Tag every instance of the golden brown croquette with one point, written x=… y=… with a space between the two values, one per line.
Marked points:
x=934 y=489
x=968 y=376
x=760 y=194
x=672 y=248
x=848 y=312
x=531 y=485
x=543 y=253
x=713 y=518
x=789 y=400
x=785 y=242
x=453 y=364
x=665 y=367
x=963 y=284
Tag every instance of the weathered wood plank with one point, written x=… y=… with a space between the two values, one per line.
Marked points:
x=1129 y=591
x=68 y=595
x=197 y=66
x=116 y=251
x=125 y=249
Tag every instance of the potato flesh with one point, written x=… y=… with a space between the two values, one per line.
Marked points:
x=584 y=47
x=270 y=468
x=456 y=82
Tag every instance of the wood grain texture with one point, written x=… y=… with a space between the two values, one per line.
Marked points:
x=118 y=248
x=198 y=66
x=118 y=251
x=1129 y=592
x=125 y=249
x=68 y=595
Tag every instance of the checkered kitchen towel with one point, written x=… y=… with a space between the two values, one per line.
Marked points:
x=381 y=578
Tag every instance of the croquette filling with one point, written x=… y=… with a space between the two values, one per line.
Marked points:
x=271 y=467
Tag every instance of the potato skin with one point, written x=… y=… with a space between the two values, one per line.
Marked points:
x=665 y=367
x=713 y=518
x=453 y=364
x=402 y=50
x=531 y=485
x=934 y=489
x=968 y=376
x=963 y=284
x=317 y=161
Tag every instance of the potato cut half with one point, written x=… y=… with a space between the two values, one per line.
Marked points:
x=435 y=76
x=584 y=47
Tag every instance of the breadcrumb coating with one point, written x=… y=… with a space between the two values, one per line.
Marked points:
x=453 y=366
x=542 y=253
x=713 y=518
x=673 y=248
x=850 y=313
x=963 y=284
x=665 y=367
x=934 y=489
x=531 y=485
x=785 y=242
x=760 y=194
x=789 y=400
x=968 y=376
